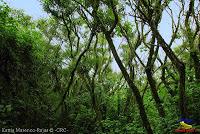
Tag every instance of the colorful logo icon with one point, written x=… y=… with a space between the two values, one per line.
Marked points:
x=185 y=126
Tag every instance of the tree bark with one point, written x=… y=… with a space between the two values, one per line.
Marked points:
x=154 y=92
x=196 y=64
x=132 y=86
x=191 y=38
x=166 y=84
x=151 y=81
x=180 y=66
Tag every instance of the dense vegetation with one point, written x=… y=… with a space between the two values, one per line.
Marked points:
x=58 y=71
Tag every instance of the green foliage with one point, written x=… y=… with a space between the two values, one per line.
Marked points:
x=39 y=65
x=193 y=90
x=24 y=74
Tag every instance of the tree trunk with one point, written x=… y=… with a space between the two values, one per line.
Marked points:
x=128 y=100
x=182 y=91
x=168 y=51
x=151 y=59
x=154 y=92
x=132 y=86
x=166 y=84
x=196 y=65
x=91 y=86
x=179 y=66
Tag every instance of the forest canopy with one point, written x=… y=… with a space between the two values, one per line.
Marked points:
x=60 y=71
